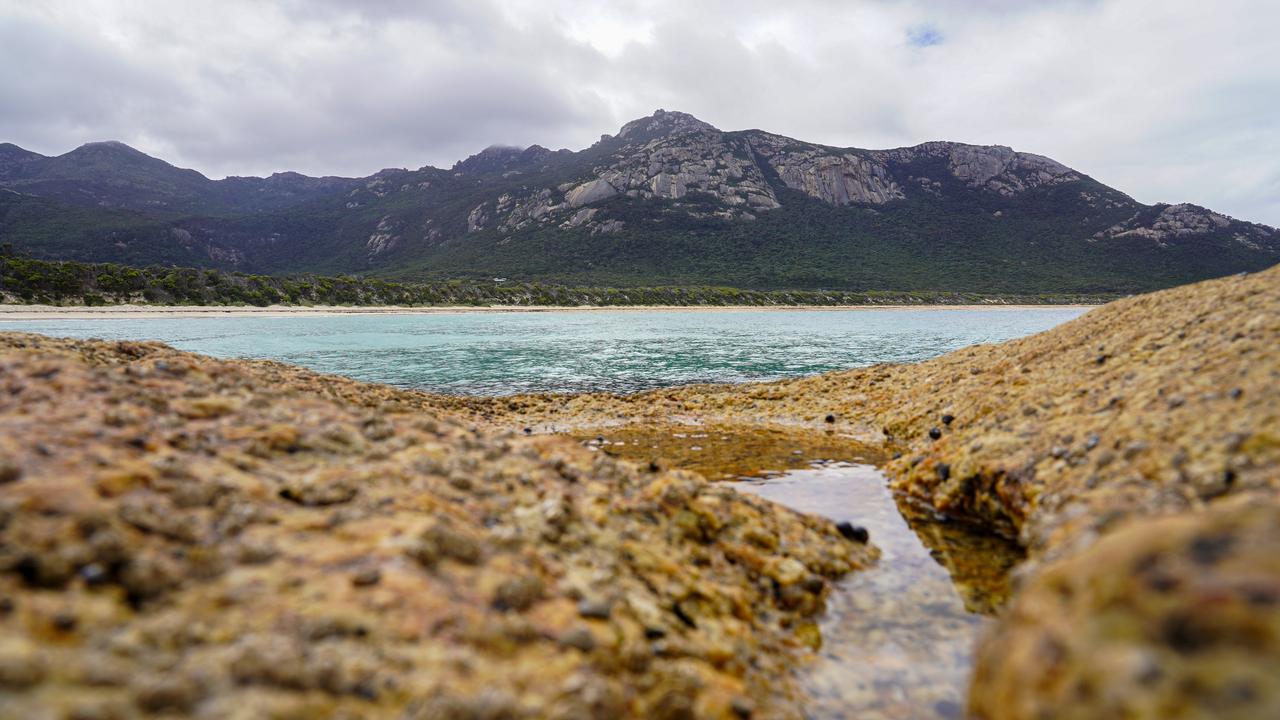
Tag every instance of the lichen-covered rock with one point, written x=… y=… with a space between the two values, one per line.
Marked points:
x=1172 y=618
x=183 y=536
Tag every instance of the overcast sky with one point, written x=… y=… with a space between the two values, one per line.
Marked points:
x=1168 y=100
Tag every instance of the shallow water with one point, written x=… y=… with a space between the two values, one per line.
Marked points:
x=617 y=351
x=897 y=638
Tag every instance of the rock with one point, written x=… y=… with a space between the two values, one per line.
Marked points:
x=579 y=638
x=320 y=488
x=172 y=693
x=442 y=540
x=664 y=123
x=9 y=471
x=856 y=533
x=1178 y=616
x=595 y=609
x=836 y=179
x=590 y=192
x=581 y=217
x=366 y=577
x=21 y=663
x=518 y=593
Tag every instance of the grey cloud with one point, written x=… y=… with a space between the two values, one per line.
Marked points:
x=1169 y=101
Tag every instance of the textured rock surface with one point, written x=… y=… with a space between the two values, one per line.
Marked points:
x=590 y=192
x=1172 y=618
x=1164 y=223
x=181 y=536
x=991 y=167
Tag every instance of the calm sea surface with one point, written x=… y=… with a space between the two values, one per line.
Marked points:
x=622 y=351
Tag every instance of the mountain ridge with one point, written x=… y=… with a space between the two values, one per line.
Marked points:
x=668 y=199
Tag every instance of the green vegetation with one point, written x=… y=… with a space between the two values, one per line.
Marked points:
x=28 y=280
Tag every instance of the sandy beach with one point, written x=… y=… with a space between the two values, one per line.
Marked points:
x=46 y=312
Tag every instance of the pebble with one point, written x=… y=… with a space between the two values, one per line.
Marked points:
x=595 y=609
x=94 y=574
x=21 y=663
x=9 y=472
x=856 y=533
x=579 y=638
x=167 y=693
x=518 y=593
x=366 y=577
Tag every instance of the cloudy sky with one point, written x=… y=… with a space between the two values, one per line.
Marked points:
x=1168 y=100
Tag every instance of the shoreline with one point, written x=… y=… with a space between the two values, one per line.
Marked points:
x=113 y=312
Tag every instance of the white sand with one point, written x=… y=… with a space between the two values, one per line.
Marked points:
x=52 y=312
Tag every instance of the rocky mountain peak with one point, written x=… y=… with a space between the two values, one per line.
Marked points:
x=663 y=122
x=500 y=158
x=105 y=147
x=15 y=160
x=112 y=155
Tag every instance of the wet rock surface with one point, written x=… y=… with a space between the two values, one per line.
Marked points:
x=185 y=536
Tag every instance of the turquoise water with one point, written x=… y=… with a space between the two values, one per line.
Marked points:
x=618 y=351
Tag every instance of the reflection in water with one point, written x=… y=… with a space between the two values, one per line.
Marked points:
x=728 y=452
x=898 y=638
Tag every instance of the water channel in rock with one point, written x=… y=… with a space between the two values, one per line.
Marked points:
x=897 y=638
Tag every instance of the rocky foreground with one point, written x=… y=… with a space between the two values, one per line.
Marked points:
x=186 y=536
x=181 y=536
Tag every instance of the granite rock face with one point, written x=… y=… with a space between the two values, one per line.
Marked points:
x=182 y=536
x=838 y=178
x=1164 y=224
x=994 y=168
x=671 y=155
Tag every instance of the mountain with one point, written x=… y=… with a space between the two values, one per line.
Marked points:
x=669 y=199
